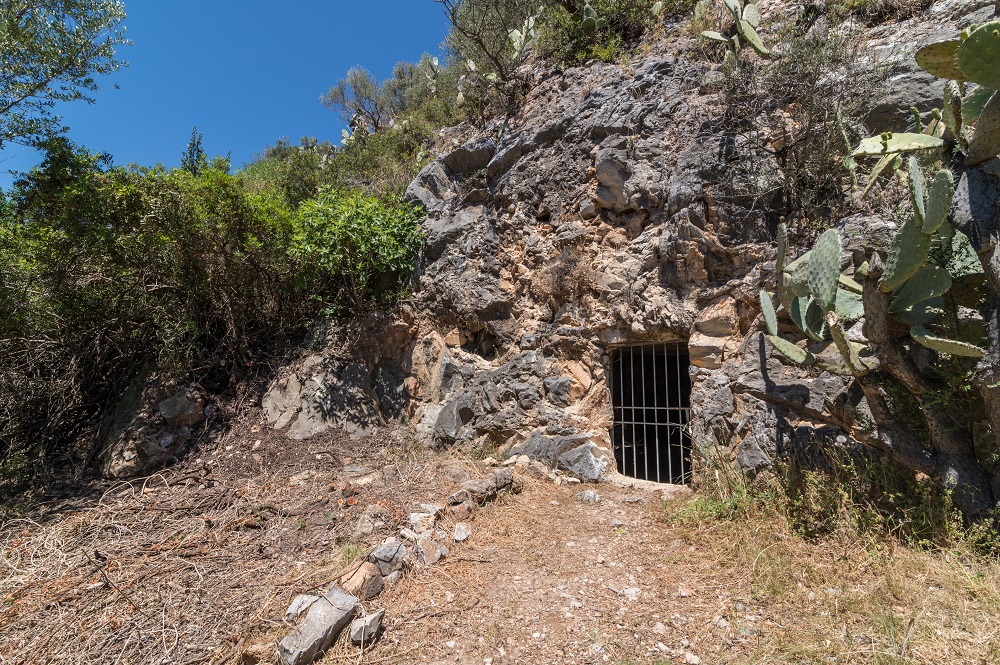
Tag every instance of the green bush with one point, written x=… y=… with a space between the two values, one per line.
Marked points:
x=366 y=245
x=107 y=272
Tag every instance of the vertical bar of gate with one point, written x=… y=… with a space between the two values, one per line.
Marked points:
x=666 y=387
x=631 y=364
x=656 y=418
x=621 y=409
x=680 y=406
x=645 y=415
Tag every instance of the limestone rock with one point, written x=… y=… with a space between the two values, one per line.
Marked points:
x=365 y=630
x=429 y=551
x=389 y=557
x=324 y=621
x=365 y=582
x=184 y=409
x=462 y=532
x=299 y=605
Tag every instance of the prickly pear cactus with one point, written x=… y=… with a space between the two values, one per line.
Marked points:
x=923 y=312
x=979 y=56
x=824 y=269
x=767 y=309
x=907 y=254
x=890 y=142
x=974 y=103
x=916 y=179
x=735 y=8
x=951 y=112
x=748 y=33
x=952 y=347
x=985 y=142
x=939 y=197
x=929 y=283
x=940 y=59
x=794 y=353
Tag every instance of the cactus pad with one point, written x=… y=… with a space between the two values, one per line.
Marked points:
x=931 y=282
x=939 y=196
x=951 y=113
x=847 y=350
x=794 y=353
x=850 y=307
x=749 y=34
x=779 y=265
x=916 y=190
x=953 y=347
x=906 y=255
x=824 y=269
x=985 y=143
x=849 y=284
x=940 y=59
x=767 y=309
x=751 y=15
x=974 y=102
x=979 y=56
x=875 y=146
x=873 y=177
x=923 y=312
x=734 y=8
x=715 y=36
x=809 y=317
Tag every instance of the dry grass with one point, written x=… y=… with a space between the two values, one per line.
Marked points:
x=853 y=599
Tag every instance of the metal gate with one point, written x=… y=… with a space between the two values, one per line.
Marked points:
x=651 y=396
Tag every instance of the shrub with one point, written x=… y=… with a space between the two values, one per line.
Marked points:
x=366 y=245
x=812 y=100
x=107 y=272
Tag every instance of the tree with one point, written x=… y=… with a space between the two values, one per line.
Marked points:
x=50 y=52
x=362 y=101
x=194 y=160
x=482 y=31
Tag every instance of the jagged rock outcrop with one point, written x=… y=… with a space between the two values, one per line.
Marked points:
x=614 y=209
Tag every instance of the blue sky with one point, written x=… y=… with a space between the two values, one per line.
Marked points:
x=246 y=73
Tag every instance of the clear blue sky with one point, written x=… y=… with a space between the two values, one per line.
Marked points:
x=246 y=73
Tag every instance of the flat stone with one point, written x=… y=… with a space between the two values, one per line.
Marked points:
x=421 y=522
x=324 y=621
x=588 y=496
x=365 y=630
x=429 y=551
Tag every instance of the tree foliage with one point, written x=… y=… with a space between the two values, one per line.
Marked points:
x=50 y=52
x=362 y=101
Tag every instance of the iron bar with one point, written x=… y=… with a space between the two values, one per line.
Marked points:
x=652 y=412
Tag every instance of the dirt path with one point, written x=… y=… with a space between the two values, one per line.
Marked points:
x=547 y=578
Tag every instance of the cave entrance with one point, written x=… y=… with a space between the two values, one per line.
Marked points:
x=651 y=395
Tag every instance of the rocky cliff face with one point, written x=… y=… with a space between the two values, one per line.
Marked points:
x=606 y=213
